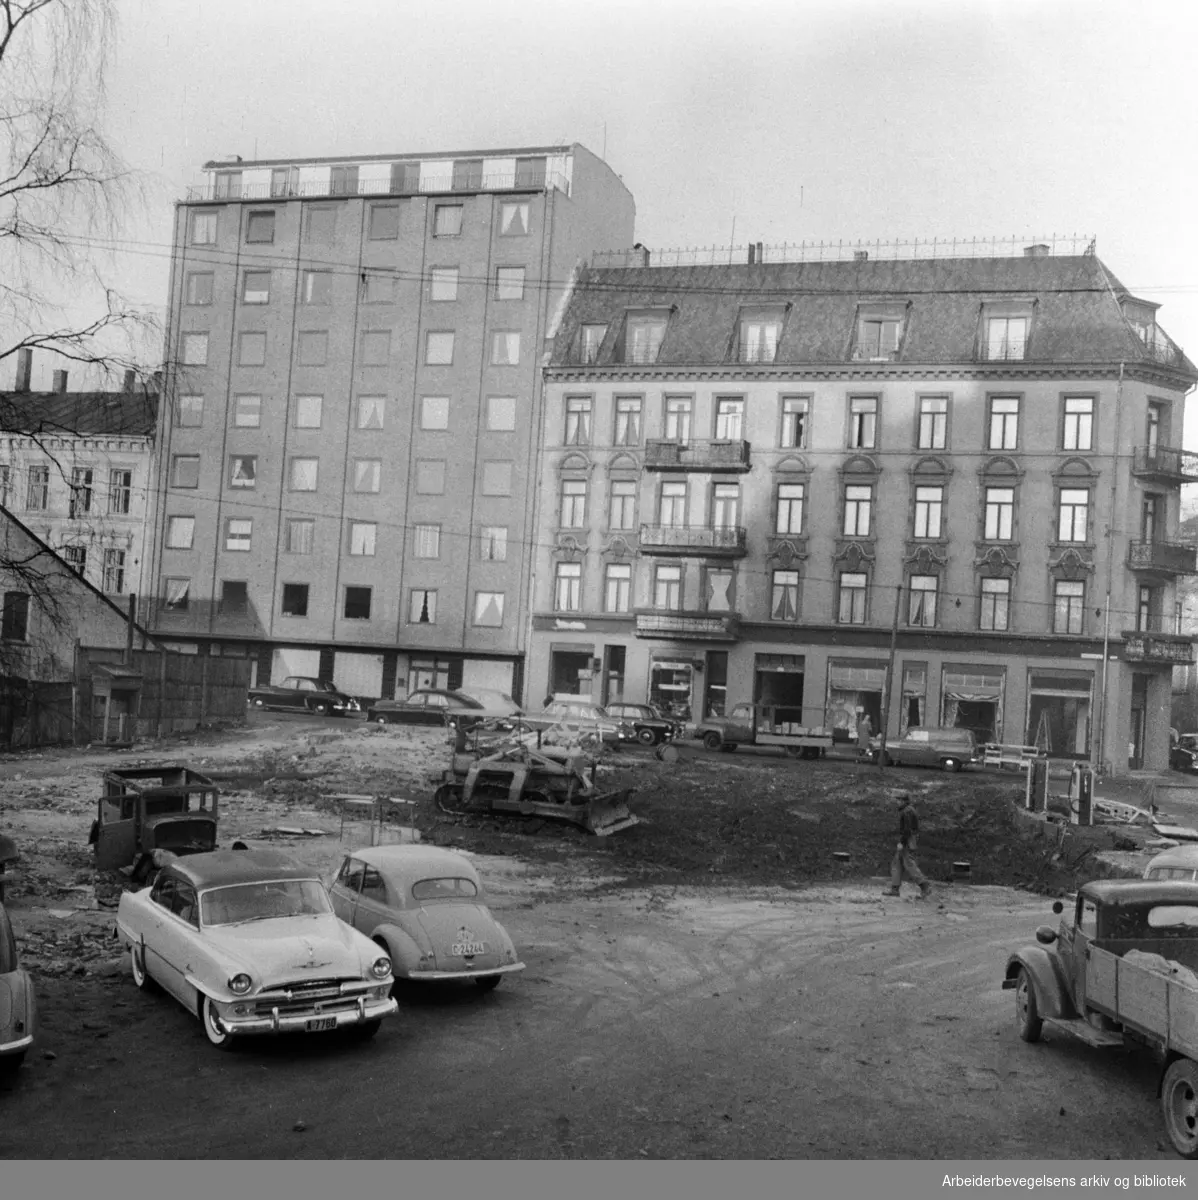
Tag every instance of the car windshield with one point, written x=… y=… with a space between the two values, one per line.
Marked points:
x=444 y=889
x=242 y=902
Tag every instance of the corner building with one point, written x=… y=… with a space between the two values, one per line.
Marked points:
x=755 y=475
x=352 y=408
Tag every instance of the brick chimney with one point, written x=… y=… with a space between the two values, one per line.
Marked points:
x=60 y=382
x=24 y=369
x=639 y=256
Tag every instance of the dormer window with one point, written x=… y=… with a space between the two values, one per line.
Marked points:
x=590 y=341
x=1006 y=329
x=758 y=335
x=643 y=335
x=879 y=333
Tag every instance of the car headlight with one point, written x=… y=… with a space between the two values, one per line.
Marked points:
x=381 y=967
x=240 y=984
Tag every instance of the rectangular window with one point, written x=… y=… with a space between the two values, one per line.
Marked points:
x=180 y=532
x=590 y=342
x=467 y=174
x=238 y=533
x=718 y=589
x=574 y=504
x=851 y=609
x=251 y=350
x=260 y=227
x=175 y=593
x=758 y=338
x=438 y=349
x=243 y=471
x=376 y=347
x=628 y=421
x=313 y=348
x=509 y=283
x=729 y=418
x=501 y=414
x=316 y=287
x=190 y=411
x=37 y=489
x=567 y=587
x=678 y=418
x=505 y=349
x=672 y=509
x=921 y=607
x=76 y=558
x=443 y=283
x=81 y=491
x=343 y=180
x=493 y=543
x=794 y=422
x=929 y=505
x=1000 y=514
x=933 y=422
x=878 y=338
x=1006 y=337
x=790 y=508
x=1150 y=511
x=185 y=471
x=578 y=421
x=14 y=626
x=295 y=600
x=367 y=474
x=725 y=505
x=304 y=473
x=667 y=587
x=858 y=509
x=384 y=222
x=1068 y=601
x=371 y=410
x=430 y=476
x=447 y=220
x=1152 y=431
x=434 y=412
x=255 y=287
x=513 y=217
x=622 y=511
x=301 y=534
x=203 y=229
x=644 y=337
x=995 y=611
x=426 y=541
x=422 y=607
x=530 y=172
x=784 y=596
x=1078 y=433
x=281 y=181
x=362 y=538
x=1073 y=520
x=120 y=491
x=357 y=604
x=320 y=226
x=194 y=350
x=247 y=411
x=617 y=588
x=1146 y=608
x=1004 y=422
x=863 y=422
x=308 y=411
x=497 y=478
x=488 y=609
x=199 y=287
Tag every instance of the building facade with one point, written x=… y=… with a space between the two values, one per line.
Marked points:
x=76 y=468
x=757 y=479
x=355 y=349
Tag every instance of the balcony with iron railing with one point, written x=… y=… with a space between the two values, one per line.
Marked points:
x=1166 y=463
x=1163 y=558
x=436 y=185
x=716 y=455
x=722 y=541
x=1157 y=647
x=687 y=626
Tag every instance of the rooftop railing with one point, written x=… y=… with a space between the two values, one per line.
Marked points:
x=437 y=185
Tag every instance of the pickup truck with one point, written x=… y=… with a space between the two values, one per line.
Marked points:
x=318 y=696
x=765 y=725
x=1121 y=968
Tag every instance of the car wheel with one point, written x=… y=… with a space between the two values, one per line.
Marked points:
x=488 y=983
x=259 y=702
x=137 y=965
x=712 y=740
x=1179 y=1103
x=646 y=737
x=380 y=720
x=213 y=1030
x=1027 y=1013
x=320 y=708
x=365 y=1031
x=951 y=764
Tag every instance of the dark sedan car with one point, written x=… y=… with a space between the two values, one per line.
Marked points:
x=643 y=723
x=437 y=706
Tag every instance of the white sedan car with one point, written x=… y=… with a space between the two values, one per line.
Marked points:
x=248 y=941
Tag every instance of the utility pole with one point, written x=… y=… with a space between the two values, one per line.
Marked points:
x=898 y=602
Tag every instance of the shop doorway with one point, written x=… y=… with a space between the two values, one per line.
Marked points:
x=570 y=672
x=670 y=688
x=1058 y=713
x=854 y=690
x=613 y=674
x=1139 y=717
x=715 y=684
x=778 y=684
x=972 y=699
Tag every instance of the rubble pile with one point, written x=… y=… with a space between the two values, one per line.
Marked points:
x=70 y=948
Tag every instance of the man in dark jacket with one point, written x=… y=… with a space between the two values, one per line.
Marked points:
x=903 y=863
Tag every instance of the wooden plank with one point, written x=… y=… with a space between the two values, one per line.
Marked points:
x=1102 y=980
x=1144 y=998
x=1183 y=1018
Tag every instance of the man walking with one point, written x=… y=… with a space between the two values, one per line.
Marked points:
x=904 y=862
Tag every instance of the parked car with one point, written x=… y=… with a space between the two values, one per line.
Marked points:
x=439 y=706
x=18 y=1003
x=764 y=725
x=588 y=717
x=319 y=696
x=950 y=749
x=1178 y=862
x=249 y=942
x=643 y=723
x=426 y=907
x=1183 y=758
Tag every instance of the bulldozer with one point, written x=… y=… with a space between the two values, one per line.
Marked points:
x=543 y=773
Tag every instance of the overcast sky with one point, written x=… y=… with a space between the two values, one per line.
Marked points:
x=797 y=120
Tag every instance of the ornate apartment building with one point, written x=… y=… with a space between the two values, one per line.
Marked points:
x=758 y=478
x=353 y=407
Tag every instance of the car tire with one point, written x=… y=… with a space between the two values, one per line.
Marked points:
x=365 y=1031
x=712 y=740
x=646 y=737
x=951 y=764
x=137 y=967
x=381 y=721
x=1179 y=1104
x=320 y=708
x=1027 y=1012
x=258 y=702
x=488 y=983
x=212 y=1030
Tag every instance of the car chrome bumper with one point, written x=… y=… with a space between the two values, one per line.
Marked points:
x=276 y=1022
x=433 y=976
x=21 y=1044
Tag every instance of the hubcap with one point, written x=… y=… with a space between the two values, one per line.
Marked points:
x=1185 y=1110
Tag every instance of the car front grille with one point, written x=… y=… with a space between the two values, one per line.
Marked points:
x=330 y=994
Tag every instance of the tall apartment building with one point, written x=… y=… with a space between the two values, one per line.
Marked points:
x=345 y=455
x=75 y=469
x=756 y=475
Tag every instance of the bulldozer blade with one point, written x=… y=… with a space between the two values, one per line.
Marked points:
x=609 y=813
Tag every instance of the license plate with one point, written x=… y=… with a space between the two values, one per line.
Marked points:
x=467 y=949
x=320 y=1024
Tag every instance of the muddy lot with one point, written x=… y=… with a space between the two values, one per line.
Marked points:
x=713 y=982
